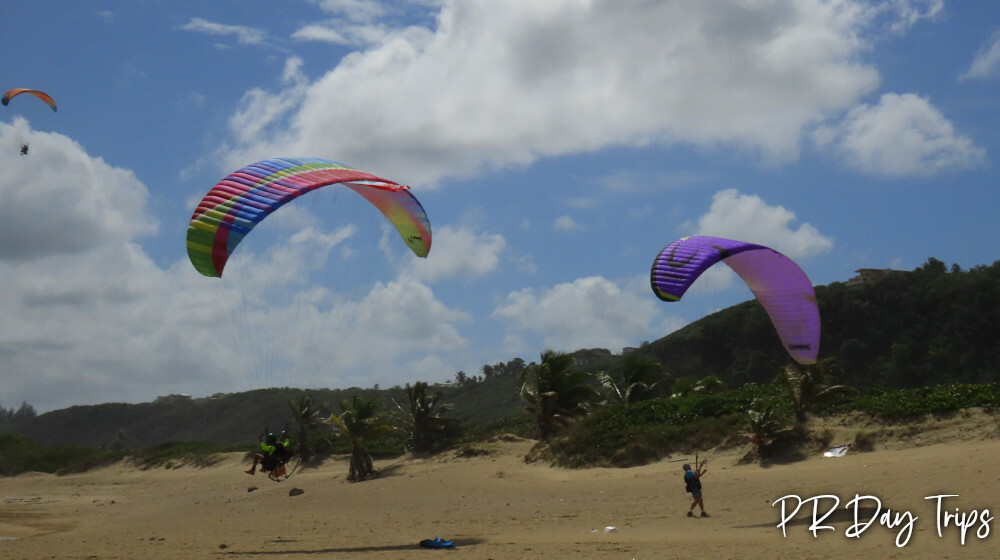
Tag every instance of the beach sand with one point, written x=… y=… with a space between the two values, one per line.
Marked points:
x=500 y=507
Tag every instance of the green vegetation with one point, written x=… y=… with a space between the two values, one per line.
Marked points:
x=306 y=413
x=624 y=436
x=25 y=412
x=427 y=428
x=613 y=435
x=638 y=378
x=898 y=405
x=360 y=421
x=556 y=392
x=18 y=455
x=810 y=386
x=910 y=345
x=930 y=326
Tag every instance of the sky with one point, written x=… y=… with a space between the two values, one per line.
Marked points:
x=557 y=147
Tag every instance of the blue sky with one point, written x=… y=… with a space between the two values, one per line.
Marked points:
x=556 y=146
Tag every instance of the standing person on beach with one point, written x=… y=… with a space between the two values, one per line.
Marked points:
x=692 y=482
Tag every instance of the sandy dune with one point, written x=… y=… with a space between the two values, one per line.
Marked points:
x=499 y=507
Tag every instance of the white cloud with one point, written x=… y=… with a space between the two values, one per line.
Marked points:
x=406 y=314
x=353 y=10
x=322 y=33
x=460 y=252
x=529 y=79
x=244 y=35
x=987 y=60
x=748 y=218
x=904 y=14
x=89 y=317
x=80 y=297
x=358 y=23
x=566 y=224
x=591 y=312
x=904 y=135
x=525 y=263
x=261 y=112
x=45 y=213
x=341 y=33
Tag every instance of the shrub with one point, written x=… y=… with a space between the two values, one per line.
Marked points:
x=906 y=404
x=19 y=455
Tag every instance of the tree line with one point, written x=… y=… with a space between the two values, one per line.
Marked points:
x=931 y=326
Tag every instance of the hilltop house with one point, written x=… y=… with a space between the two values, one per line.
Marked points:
x=869 y=275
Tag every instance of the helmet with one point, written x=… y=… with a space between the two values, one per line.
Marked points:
x=271 y=437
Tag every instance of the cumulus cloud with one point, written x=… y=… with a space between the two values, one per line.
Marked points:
x=89 y=317
x=403 y=315
x=591 y=312
x=44 y=214
x=987 y=60
x=460 y=251
x=903 y=135
x=502 y=84
x=244 y=35
x=262 y=112
x=79 y=293
x=749 y=218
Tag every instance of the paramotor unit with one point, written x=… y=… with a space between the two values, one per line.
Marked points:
x=285 y=460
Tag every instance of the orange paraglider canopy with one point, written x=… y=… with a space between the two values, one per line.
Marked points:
x=39 y=94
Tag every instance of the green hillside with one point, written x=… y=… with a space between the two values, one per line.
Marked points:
x=929 y=326
x=910 y=329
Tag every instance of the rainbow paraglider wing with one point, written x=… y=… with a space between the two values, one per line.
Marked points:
x=10 y=94
x=240 y=201
x=781 y=287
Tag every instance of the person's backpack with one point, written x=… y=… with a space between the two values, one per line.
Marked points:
x=691 y=484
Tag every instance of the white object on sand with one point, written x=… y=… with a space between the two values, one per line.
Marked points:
x=839 y=451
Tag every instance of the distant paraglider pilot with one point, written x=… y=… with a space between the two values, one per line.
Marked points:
x=692 y=483
x=24 y=149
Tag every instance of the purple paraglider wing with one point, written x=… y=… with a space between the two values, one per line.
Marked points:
x=781 y=287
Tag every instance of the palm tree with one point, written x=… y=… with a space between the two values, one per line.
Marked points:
x=358 y=421
x=306 y=414
x=812 y=384
x=555 y=392
x=642 y=378
x=764 y=419
x=424 y=416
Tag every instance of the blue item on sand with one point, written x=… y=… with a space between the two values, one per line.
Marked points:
x=437 y=542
